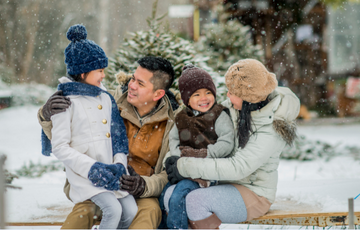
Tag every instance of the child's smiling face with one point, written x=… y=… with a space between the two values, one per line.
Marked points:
x=202 y=100
x=94 y=77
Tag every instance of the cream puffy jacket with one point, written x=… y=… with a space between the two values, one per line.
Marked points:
x=80 y=137
x=254 y=166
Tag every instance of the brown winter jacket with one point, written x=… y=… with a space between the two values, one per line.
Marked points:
x=148 y=143
x=149 y=147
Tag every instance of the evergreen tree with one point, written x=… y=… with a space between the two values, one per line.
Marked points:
x=227 y=41
x=158 y=40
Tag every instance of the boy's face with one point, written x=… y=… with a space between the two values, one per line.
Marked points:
x=202 y=100
x=141 y=92
x=94 y=77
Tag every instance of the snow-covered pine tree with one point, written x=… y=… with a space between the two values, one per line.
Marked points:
x=227 y=41
x=158 y=40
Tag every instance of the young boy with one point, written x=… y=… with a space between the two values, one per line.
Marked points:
x=202 y=129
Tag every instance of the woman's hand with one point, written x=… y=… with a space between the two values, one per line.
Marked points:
x=172 y=171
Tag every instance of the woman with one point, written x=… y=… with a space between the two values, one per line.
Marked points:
x=264 y=119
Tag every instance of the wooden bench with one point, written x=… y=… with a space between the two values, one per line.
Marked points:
x=305 y=219
x=271 y=218
x=282 y=212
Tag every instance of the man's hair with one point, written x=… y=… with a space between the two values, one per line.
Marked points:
x=163 y=72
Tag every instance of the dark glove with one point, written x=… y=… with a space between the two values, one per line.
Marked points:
x=101 y=176
x=172 y=170
x=187 y=151
x=57 y=103
x=133 y=184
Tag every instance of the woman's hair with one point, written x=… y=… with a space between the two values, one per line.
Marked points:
x=77 y=77
x=244 y=121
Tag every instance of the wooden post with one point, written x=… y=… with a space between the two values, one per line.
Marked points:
x=2 y=192
x=351 y=213
x=196 y=25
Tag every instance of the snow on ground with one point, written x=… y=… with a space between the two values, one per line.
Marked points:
x=20 y=142
x=317 y=185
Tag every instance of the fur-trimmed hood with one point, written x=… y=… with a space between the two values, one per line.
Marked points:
x=286 y=113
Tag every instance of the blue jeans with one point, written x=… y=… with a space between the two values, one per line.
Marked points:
x=177 y=217
x=162 y=207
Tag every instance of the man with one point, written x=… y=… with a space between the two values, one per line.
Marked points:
x=148 y=115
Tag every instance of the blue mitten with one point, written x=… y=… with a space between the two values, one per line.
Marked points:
x=117 y=169
x=101 y=176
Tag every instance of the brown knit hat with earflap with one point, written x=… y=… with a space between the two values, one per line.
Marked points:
x=250 y=80
x=193 y=78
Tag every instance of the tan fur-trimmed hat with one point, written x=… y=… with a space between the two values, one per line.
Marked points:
x=250 y=80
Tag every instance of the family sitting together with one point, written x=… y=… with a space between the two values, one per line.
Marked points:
x=139 y=157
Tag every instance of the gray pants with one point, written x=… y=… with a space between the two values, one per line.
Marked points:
x=116 y=213
x=223 y=200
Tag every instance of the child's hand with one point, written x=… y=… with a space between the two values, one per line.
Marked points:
x=101 y=176
x=117 y=169
x=202 y=183
x=187 y=151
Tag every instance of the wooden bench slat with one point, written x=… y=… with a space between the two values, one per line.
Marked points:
x=302 y=219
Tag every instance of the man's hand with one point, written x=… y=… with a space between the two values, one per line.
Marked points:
x=133 y=184
x=57 y=103
x=171 y=169
x=187 y=151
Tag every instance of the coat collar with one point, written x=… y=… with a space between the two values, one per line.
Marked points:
x=281 y=112
x=163 y=112
x=117 y=129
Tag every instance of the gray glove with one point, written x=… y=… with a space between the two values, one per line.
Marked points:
x=57 y=103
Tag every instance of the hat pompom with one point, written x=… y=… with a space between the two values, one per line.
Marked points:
x=76 y=33
x=189 y=66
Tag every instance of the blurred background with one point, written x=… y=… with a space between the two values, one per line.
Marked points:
x=311 y=45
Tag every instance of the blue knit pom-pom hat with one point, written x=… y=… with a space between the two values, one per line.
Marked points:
x=83 y=55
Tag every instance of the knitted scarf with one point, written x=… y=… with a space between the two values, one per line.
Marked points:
x=119 y=140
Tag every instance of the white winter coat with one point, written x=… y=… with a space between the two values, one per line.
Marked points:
x=254 y=166
x=79 y=139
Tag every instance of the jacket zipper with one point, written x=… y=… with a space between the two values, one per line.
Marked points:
x=136 y=133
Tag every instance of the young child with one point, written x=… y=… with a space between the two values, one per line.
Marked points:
x=90 y=136
x=202 y=129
